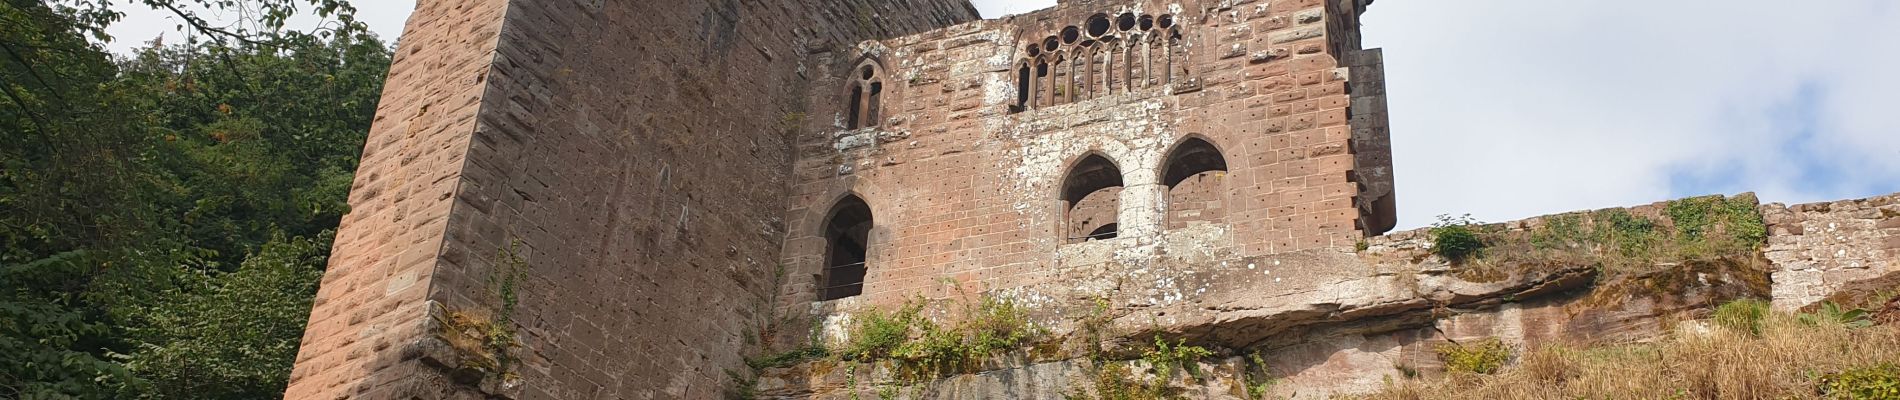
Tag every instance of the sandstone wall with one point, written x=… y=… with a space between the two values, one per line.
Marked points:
x=965 y=180
x=1818 y=248
x=373 y=298
x=1324 y=322
x=605 y=180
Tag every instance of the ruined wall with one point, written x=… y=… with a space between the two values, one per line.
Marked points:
x=966 y=168
x=1818 y=248
x=1329 y=322
x=373 y=298
x=601 y=180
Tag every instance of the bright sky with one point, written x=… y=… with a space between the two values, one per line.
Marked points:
x=1511 y=109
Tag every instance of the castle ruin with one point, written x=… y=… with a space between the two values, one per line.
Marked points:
x=629 y=199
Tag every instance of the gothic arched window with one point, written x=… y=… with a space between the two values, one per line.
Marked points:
x=1193 y=173
x=848 y=240
x=866 y=91
x=1091 y=197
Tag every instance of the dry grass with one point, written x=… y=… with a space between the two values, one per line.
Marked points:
x=1787 y=360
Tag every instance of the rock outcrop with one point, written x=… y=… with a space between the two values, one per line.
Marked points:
x=1326 y=322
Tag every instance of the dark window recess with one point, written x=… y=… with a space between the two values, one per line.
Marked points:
x=877 y=92
x=1022 y=88
x=1092 y=174
x=1104 y=233
x=1191 y=158
x=857 y=99
x=848 y=237
x=867 y=90
x=1098 y=25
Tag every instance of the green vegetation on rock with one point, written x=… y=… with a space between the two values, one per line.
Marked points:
x=922 y=348
x=1481 y=357
x=1747 y=355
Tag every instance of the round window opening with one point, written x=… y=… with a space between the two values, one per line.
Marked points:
x=1098 y=25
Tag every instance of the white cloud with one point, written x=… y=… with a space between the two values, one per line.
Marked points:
x=142 y=24
x=1000 y=8
x=1511 y=109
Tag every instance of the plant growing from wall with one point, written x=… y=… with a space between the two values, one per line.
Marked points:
x=1482 y=357
x=1167 y=359
x=1456 y=238
x=1255 y=380
x=922 y=348
x=1116 y=381
x=486 y=341
x=1635 y=252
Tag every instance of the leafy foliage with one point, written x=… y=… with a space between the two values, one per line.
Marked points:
x=1712 y=225
x=1482 y=357
x=1115 y=381
x=923 y=346
x=229 y=339
x=164 y=217
x=1456 y=238
x=1830 y=312
x=1871 y=382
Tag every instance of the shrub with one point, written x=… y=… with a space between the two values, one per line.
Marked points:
x=1114 y=380
x=1830 y=312
x=1743 y=315
x=1455 y=238
x=876 y=334
x=1166 y=358
x=1482 y=357
x=1880 y=381
x=789 y=357
x=923 y=346
x=1714 y=226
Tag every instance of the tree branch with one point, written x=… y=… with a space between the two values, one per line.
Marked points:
x=199 y=24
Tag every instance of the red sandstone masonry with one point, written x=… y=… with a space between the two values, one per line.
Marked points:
x=372 y=298
x=637 y=156
x=631 y=153
x=964 y=189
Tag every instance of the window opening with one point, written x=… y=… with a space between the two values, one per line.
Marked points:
x=1091 y=197
x=847 y=236
x=1193 y=176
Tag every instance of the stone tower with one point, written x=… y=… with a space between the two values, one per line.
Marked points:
x=624 y=199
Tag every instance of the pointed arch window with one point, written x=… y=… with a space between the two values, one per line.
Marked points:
x=1091 y=197
x=847 y=241
x=866 y=89
x=1194 y=175
x=1022 y=87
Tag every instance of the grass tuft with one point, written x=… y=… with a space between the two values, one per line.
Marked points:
x=1789 y=358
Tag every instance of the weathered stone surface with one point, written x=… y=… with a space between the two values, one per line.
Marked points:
x=631 y=153
x=1818 y=248
x=1326 y=322
x=655 y=185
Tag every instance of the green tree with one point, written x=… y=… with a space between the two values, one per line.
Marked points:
x=164 y=217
